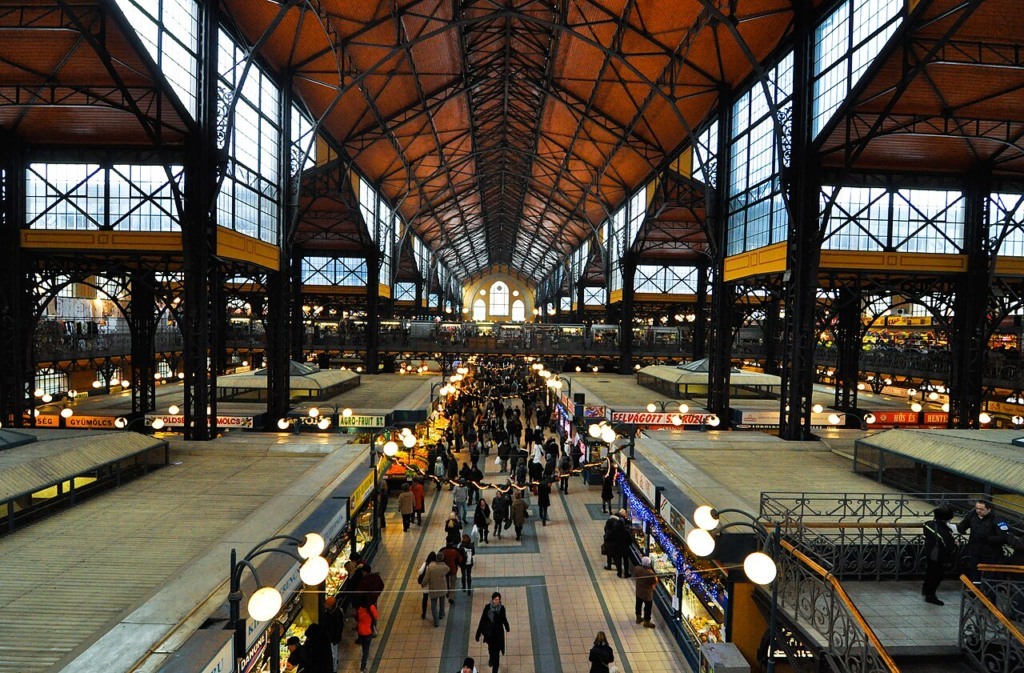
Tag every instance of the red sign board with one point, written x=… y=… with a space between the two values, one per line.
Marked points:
x=909 y=419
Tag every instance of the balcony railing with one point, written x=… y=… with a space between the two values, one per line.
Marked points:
x=69 y=347
x=992 y=620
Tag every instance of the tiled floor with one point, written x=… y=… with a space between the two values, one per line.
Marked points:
x=556 y=592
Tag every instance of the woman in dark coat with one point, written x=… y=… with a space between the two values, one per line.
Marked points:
x=492 y=628
x=544 y=499
x=600 y=654
x=482 y=519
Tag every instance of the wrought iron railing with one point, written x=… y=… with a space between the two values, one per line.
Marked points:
x=865 y=551
x=807 y=507
x=811 y=596
x=992 y=620
x=102 y=345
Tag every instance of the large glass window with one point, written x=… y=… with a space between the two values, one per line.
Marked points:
x=346 y=271
x=405 y=291
x=756 y=210
x=479 y=310
x=705 y=155
x=128 y=197
x=906 y=220
x=659 y=279
x=845 y=44
x=51 y=381
x=1006 y=214
x=593 y=296
x=169 y=30
x=518 y=311
x=303 y=140
x=248 y=200
x=499 y=298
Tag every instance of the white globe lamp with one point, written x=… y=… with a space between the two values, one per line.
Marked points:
x=700 y=542
x=760 y=568
x=265 y=604
x=705 y=518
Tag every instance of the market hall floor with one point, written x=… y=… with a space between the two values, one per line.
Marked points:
x=553 y=585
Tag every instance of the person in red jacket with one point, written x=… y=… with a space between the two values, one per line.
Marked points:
x=418 y=493
x=366 y=627
x=454 y=559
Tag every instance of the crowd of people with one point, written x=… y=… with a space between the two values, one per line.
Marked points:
x=496 y=415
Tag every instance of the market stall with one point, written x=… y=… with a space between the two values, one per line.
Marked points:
x=691 y=594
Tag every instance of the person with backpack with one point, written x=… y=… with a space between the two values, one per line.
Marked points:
x=939 y=550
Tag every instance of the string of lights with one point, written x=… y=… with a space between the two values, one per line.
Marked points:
x=639 y=510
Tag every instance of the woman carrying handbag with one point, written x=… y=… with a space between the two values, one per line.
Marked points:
x=601 y=656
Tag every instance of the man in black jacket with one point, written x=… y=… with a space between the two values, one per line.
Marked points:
x=985 y=544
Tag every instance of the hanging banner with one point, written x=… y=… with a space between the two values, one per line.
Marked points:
x=361 y=421
x=178 y=421
x=658 y=418
x=98 y=422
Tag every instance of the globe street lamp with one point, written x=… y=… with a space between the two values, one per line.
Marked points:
x=265 y=602
x=760 y=567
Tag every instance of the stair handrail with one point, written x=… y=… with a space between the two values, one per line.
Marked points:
x=987 y=636
x=844 y=599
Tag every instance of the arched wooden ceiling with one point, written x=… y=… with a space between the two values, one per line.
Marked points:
x=506 y=131
x=948 y=101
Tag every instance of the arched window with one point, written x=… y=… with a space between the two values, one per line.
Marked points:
x=499 y=299
x=518 y=311
x=479 y=310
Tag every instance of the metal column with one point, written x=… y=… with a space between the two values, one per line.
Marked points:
x=720 y=344
x=199 y=237
x=16 y=321
x=626 y=313
x=142 y=319
x=803 y=250
x=969 y=337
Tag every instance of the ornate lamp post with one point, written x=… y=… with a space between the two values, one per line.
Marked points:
x=761 y=567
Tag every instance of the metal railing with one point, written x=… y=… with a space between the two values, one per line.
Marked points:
x=889 y=508
x=992 y=620
x=102 y=345
x=811 y=596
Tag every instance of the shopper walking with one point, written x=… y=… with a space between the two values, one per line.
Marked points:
x=452 y=558
x=435 y=579
x=453 y=529
x=621 y=541
x=606 y=491
x=985 y=544
x=468 y=551
x=421 y=577
x=406 y=506
x=519 y=515
x=544 y=500
x=419 y=493
x=564 y=472
x=460 y=496
x=366 y=629
x=482 y=519
x=492 y=628
x=939 y=550
x=500 y=508
x=601 y=656
x=645 y=580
